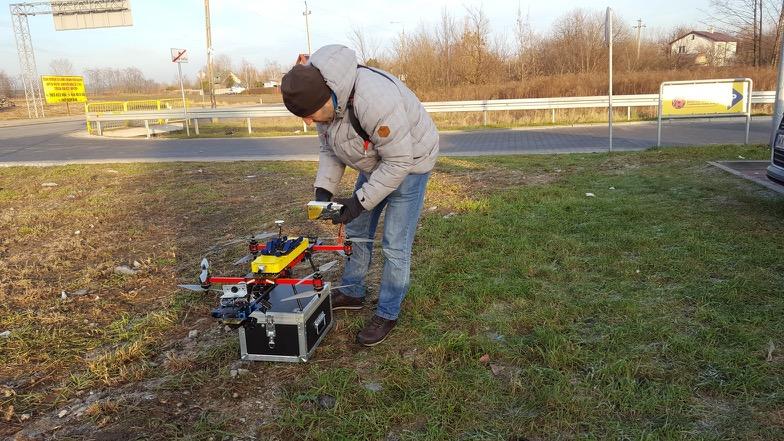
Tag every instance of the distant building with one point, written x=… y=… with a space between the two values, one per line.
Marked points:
x=705 y=48
x=271 y=83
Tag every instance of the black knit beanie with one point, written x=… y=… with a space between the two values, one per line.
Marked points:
x=304 y=90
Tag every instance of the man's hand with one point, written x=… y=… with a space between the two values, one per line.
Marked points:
x=323 y=195
x=351 y=209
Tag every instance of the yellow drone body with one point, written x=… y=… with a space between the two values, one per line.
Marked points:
x=275 y=264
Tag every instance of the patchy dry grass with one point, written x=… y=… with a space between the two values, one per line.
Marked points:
x=645 y=312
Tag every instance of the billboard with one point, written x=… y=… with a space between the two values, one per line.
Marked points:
x=70 y=14
x=716 y=97
x=63 y=89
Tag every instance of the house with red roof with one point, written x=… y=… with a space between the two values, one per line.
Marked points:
x=705 y=48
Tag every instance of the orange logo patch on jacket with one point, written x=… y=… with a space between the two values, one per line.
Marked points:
x=383 y=131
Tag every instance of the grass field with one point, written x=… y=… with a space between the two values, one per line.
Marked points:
x=652 y=310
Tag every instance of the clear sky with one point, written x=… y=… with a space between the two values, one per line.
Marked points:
x=260 y=30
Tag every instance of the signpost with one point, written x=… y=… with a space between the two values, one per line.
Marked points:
x=64 y=89
x=608 y=40
x=180 y=56
x=705 y=98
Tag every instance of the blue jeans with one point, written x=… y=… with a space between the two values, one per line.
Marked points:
x=403 y=207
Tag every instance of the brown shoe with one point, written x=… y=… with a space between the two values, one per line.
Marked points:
x=375 y=331
x=342 y=301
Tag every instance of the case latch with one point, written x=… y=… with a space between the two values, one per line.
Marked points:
x=320 y=323
x=270 y=327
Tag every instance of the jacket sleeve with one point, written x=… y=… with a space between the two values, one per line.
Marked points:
x=330 y=168
x=392 y=140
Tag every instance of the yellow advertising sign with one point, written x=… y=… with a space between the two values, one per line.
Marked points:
x=63 y=89
x=722 y=97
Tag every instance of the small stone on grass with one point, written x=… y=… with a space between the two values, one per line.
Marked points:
x=124 y=270
x=373 y=387
x=326 y=401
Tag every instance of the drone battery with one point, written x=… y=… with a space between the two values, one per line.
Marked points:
x=286 y=332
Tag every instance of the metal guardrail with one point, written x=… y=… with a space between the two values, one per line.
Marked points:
x=123 y=107
x=248 y=113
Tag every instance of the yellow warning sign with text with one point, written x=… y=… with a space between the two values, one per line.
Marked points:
x=63 y=89
x=714 y=98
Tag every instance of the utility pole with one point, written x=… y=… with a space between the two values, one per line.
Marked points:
x=209 y=53
x=307 y=25
x=754 y=36
x=639 y=30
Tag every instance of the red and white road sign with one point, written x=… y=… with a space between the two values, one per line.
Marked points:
x=179 y=55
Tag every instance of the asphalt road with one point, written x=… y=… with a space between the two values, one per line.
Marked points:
x=66 y=142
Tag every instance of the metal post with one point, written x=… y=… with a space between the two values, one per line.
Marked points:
x=100 y=129
x=610 y=70
x=658 y=126
x=750 y=92
x=250 y=131
x=484 y=117
x=553 y=116
x=196 y=125
x=628 y=113
x=147 y=126
x=184 y=105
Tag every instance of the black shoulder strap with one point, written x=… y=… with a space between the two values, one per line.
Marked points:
x=352 y=117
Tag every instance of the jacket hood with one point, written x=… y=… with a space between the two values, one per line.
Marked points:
x=338 y=66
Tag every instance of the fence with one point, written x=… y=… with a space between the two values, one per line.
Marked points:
x=194 y=114
x=125 y=107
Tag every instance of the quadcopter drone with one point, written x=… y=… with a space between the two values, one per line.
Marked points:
x=272 y=258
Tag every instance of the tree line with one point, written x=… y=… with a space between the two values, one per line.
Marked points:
x=462 y=51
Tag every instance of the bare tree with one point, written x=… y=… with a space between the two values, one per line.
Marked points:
x=475 y=43
x=272 y=71
x=248 y=73
x=445 y=35
x=524 y=42
x=61 y=66
x=755 y=23
x=6 y=85
x=221 y=68
x=367 y=48
x=128 y=80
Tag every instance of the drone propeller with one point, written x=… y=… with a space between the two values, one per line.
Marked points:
x=306 y=294
x=262 y=236
x=326 y=267
x=205 y=271
x=351 y=239
x=360 y=240
x=198 y=288
x=244 y=259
